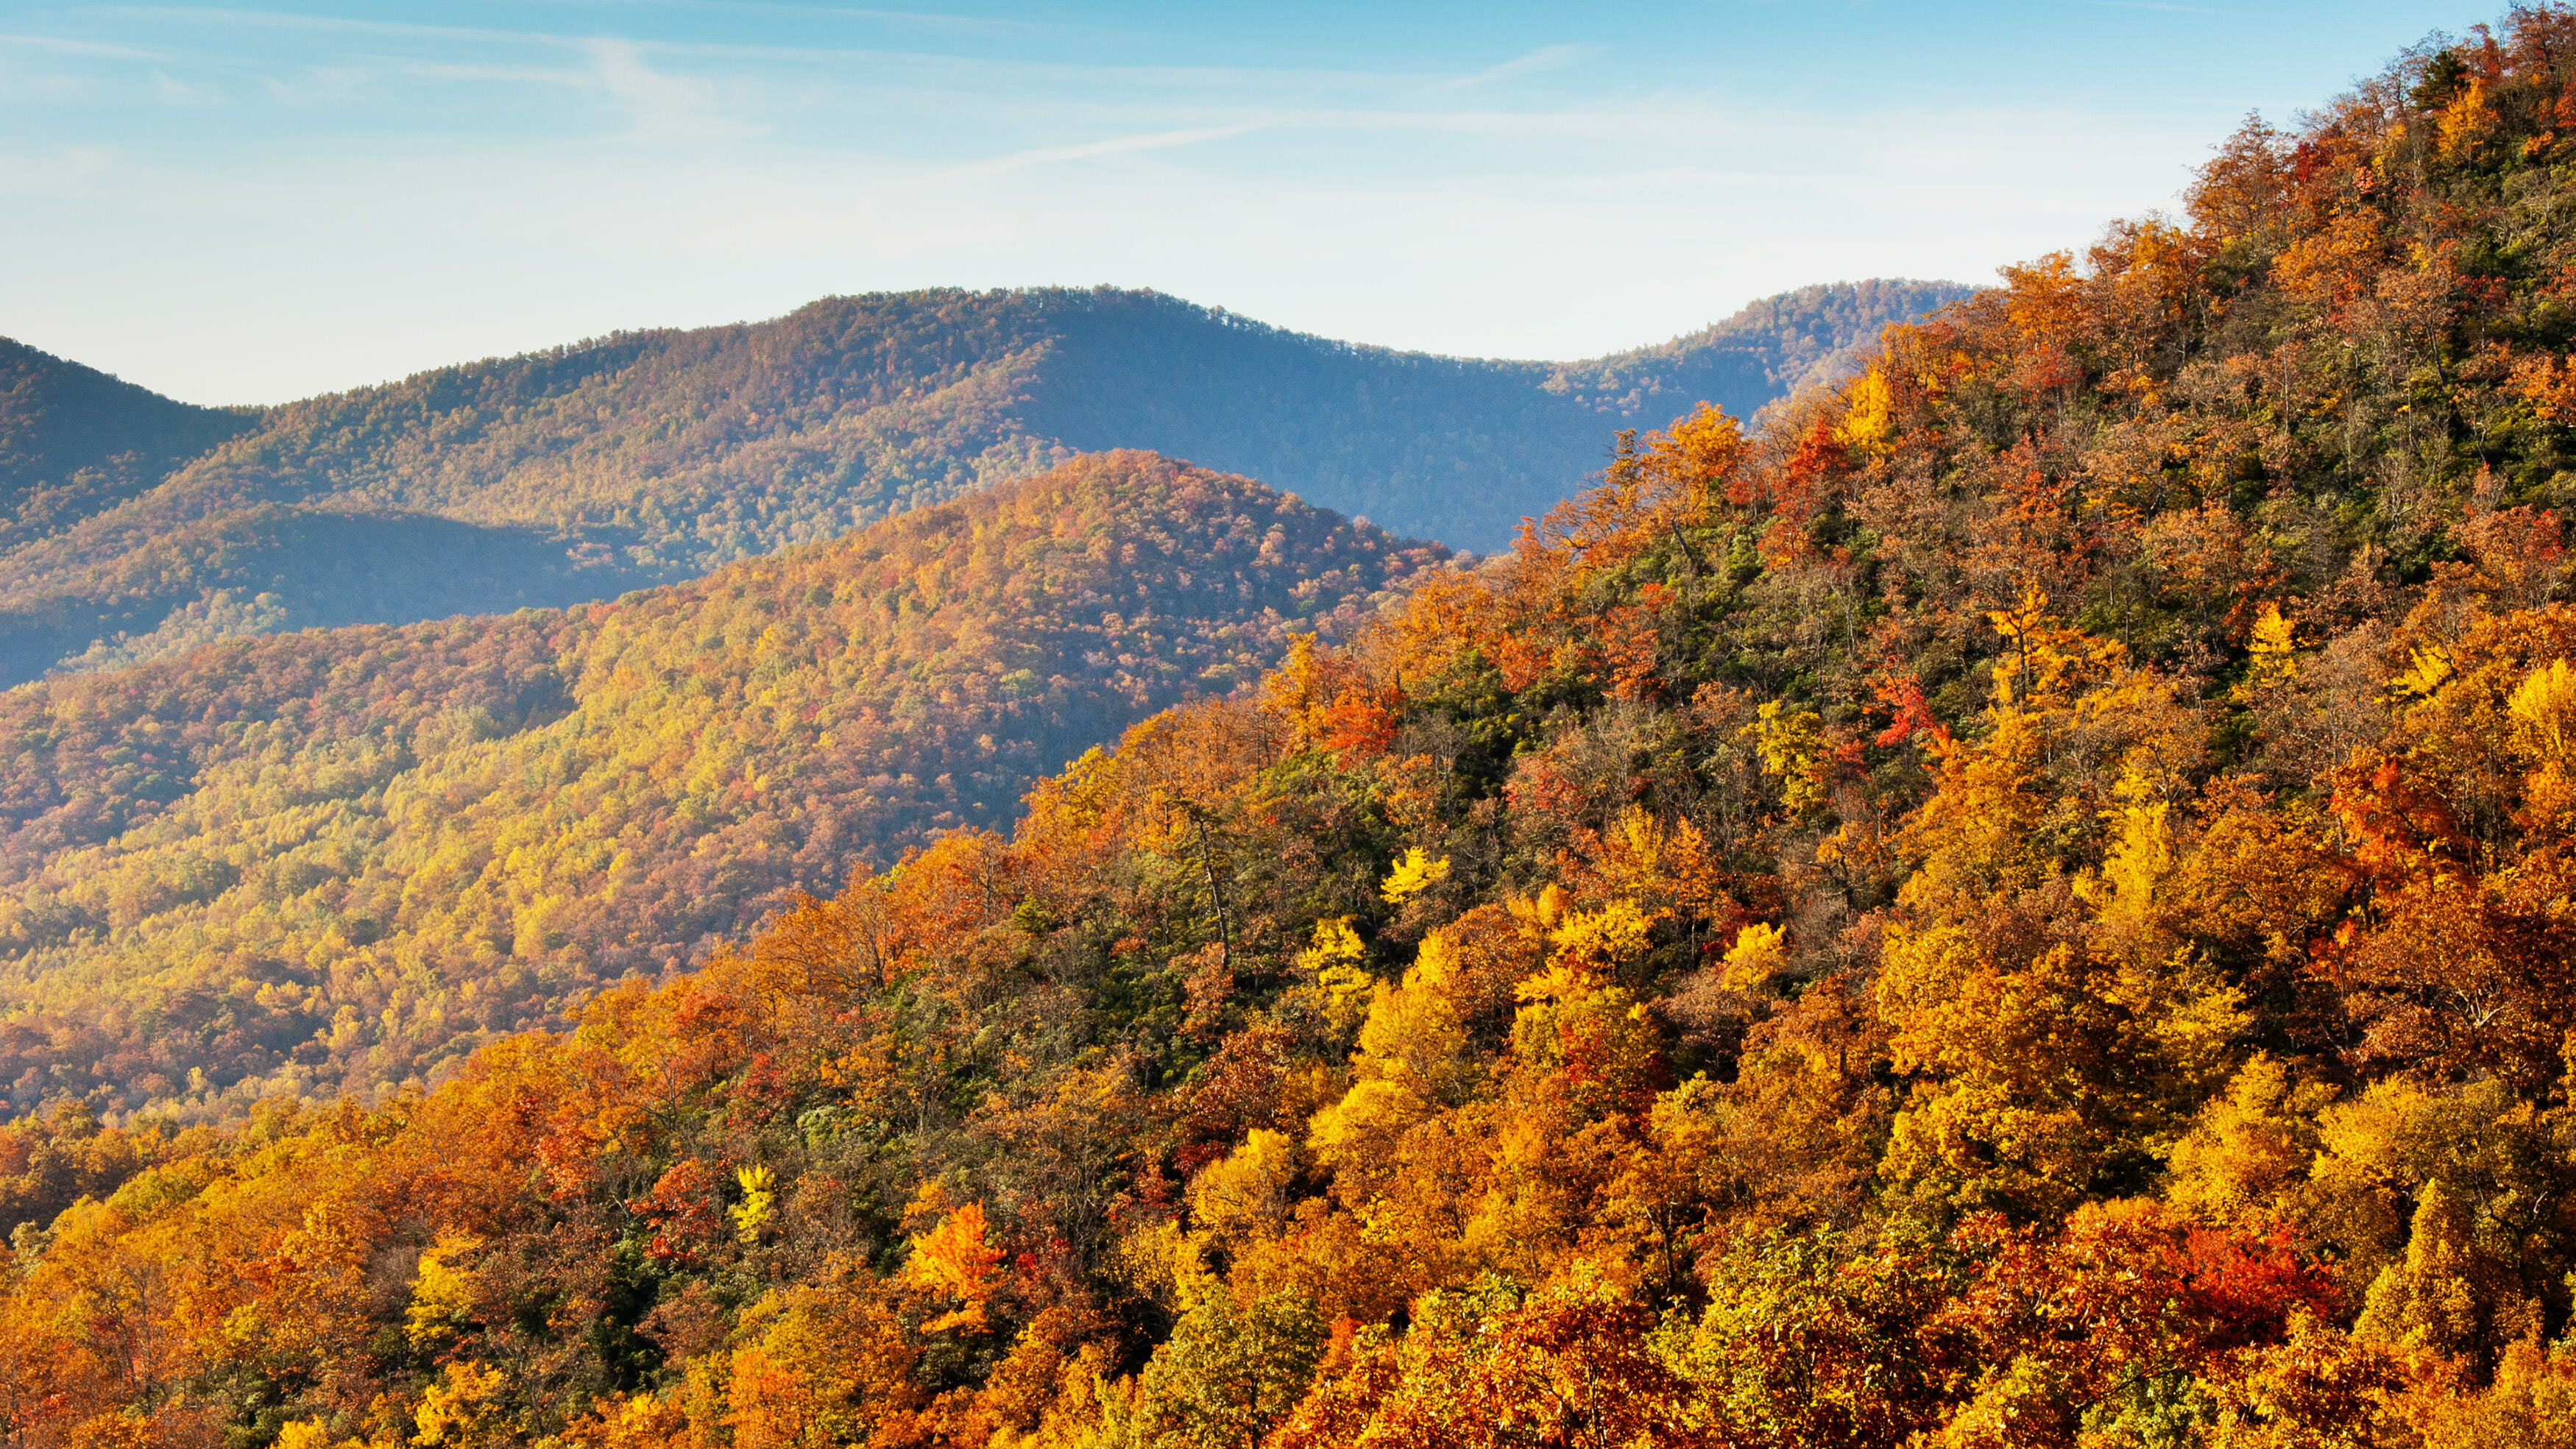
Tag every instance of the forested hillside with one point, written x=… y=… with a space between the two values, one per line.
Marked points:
x=2027 y=905
x=336 y=861
x=645 y=458
x=74 y=441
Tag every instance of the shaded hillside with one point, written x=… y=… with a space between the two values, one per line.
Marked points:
x=1425 y=446
x=331 y=860
x=652 y=457
x=274 y=567
x=74 y=440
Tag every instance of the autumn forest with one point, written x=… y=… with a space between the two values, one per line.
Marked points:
x=2026 y=897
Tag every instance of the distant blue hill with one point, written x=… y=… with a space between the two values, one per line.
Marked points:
x=133 y=527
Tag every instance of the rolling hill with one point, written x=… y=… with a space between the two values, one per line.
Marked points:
x=137 y=527
x=331 y=859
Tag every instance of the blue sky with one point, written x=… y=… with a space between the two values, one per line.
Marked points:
x=249 y=202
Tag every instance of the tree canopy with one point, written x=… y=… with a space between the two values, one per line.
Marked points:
x=2025 y=904
x=336 y=861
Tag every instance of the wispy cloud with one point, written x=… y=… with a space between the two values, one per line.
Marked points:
x=982 y=71
x=659 y=106
x=319 y=85
x=58 y=46
x=977 y=71
x=1087 y=150
x=907 y=19
x=536 y=169
x=1545 y=58
x=327 y=24
x=664 y=107
x=174 y=91
x=568 y=77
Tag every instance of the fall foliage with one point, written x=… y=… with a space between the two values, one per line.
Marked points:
x=2025 y=903
x=339 y=861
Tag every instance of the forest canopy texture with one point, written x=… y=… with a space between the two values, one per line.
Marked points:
x=2026 y=904
x=334 y=861
x=133 y=528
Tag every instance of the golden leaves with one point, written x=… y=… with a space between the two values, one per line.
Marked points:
x=2544 y=710
x=1333 y=960
x=759 y=1196
x=1756 y=956
x=955 y=1261
x=453 y=1409
x=2273 y=646
x=1869 y=416
x=1414 y=873
x=443 y=1295
x=2427 y=669
x=2466 y=121
x=1790 y=745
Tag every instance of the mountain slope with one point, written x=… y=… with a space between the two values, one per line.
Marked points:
x=2033 y=904
x=325 y=860
x=652 y=457
x=74 y=440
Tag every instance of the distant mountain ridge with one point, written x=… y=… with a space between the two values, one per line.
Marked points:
x=137 y=527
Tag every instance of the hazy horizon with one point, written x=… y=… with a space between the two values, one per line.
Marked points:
x=236 y=205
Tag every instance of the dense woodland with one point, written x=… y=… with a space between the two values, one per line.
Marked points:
x=338 y=861
x=2026 y=904
x=74 y=440
x=652 y=457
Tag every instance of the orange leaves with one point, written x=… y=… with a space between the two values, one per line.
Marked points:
x=1155 y=1025
x=1652 y=494
x=2152 y=271
x=1629 y=643
x=1443 y=617
x=1522 y=660
x=2466 y=121
x=1649 y=491
x=1358 y=727
x=2050 y=312
x=2043 y=300
x=1821 y=453
x=2547 y=382
x=1570 y=1365
x=2156 y=1295
x=1301 y=685
x=1909 y=713
x=2521 y=554
x=1700 y=452
x=1328 y=703
x=817 y=1364
x=682 y=1209
x=2393 y=822
x=1583 y=1037
x=1665 y=869
x=2331 y=267
x=954 y=1261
